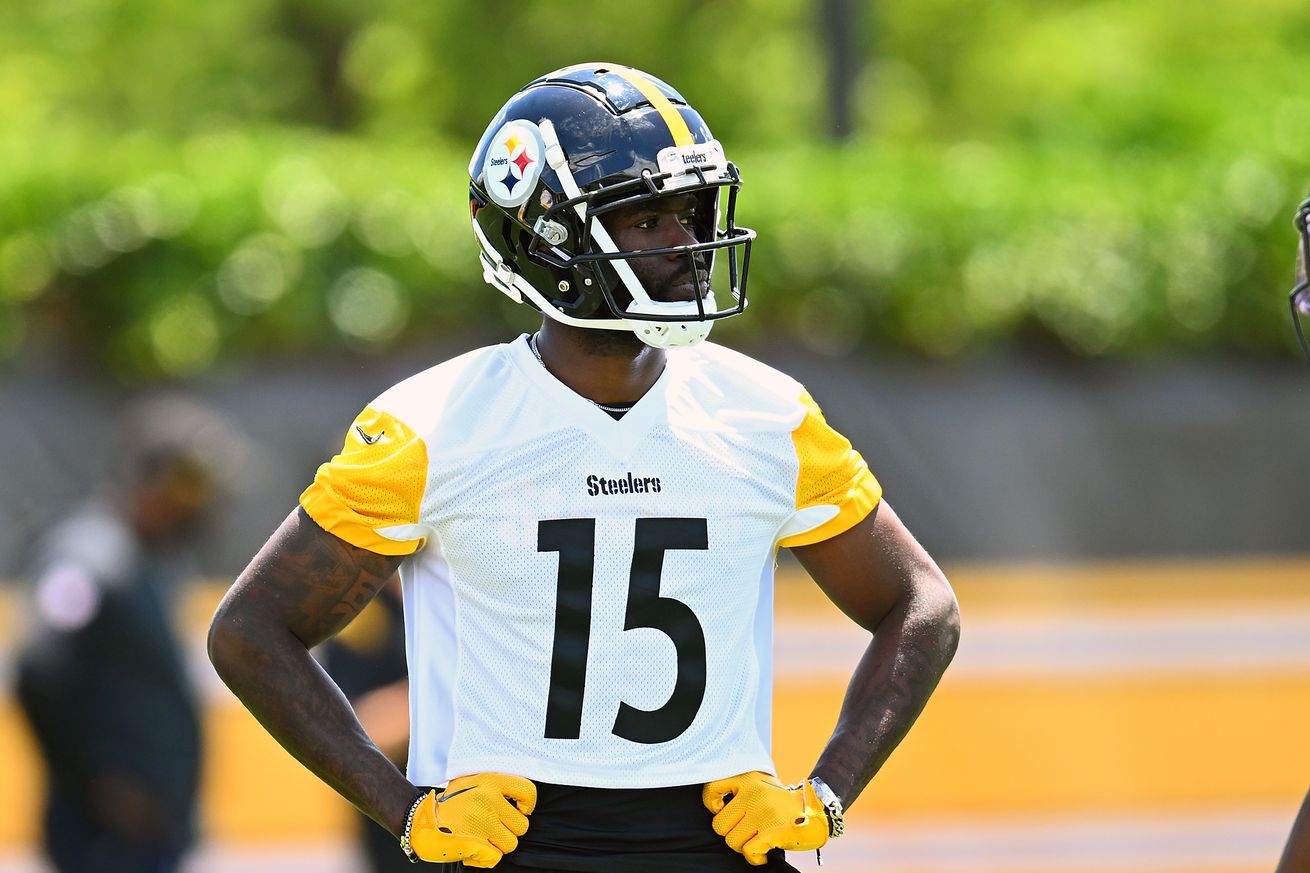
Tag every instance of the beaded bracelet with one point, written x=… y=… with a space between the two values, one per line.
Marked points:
x=409 y=823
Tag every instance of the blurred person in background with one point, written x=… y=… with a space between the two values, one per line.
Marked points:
x=1296 y=856
x=367 y=661
x=585 y=522
x=102 y=680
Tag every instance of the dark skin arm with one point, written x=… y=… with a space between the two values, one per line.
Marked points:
x=880 y=576
x=304 y=586
x=1296 y=857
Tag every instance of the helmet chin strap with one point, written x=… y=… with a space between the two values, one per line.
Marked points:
x=659 y=334
x=673 y=334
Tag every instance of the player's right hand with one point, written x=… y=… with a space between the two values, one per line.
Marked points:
x=477 y=819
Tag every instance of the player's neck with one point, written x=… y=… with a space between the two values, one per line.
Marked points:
x=603 y=366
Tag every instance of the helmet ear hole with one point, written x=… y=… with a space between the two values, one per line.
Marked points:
x=522 y=240
x=507 y=234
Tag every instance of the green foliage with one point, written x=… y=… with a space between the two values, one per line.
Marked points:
x=180 y=184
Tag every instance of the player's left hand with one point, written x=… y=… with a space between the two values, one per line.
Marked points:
x=756 y=813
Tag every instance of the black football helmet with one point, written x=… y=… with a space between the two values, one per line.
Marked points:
x=573 y=145
x=1299 y=299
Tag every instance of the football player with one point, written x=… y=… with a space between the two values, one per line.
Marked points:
x=586 y=521
x=1296 y=856
x=1299 y=299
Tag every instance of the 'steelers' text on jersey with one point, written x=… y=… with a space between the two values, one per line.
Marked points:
x=589 y=601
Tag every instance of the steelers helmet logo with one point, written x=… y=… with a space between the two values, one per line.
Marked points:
x=514 y=163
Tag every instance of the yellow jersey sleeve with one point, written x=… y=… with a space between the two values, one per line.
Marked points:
x=369 y=494
x=834 y=489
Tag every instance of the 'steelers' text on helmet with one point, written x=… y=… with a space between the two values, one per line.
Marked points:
x=568 y=148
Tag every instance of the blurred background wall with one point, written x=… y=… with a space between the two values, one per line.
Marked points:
x=1032 y=257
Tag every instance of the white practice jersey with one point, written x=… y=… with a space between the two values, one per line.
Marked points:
x=589 y=601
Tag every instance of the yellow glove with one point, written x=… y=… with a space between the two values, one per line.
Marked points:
x=755 y=813
x=478 y=819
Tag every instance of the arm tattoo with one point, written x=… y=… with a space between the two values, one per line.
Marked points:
x=355 y=599
x=304 y=586
x=319 y=581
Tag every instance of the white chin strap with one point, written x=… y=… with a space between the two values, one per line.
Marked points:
x=671 y=334
x=674 y=334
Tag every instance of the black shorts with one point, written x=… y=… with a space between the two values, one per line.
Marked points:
x=628 y=830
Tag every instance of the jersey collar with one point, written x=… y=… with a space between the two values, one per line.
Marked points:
x=619 y=437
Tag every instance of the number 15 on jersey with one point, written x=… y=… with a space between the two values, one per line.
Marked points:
x=575 y=541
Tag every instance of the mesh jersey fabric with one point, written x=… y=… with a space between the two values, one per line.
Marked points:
x=588 y=601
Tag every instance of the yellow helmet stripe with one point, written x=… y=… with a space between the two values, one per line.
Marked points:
x=672 y=117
